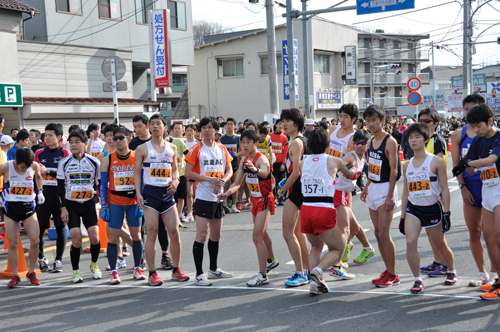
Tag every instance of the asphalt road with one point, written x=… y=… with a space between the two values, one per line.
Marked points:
x=59 y=305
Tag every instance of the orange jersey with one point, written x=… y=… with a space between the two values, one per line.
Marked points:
x=121 y=179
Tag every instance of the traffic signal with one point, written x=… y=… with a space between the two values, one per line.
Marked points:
x=494 y=94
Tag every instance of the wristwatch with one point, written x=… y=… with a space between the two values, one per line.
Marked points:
x=461 y=185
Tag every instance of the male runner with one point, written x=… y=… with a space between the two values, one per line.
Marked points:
x=182 y=150
x=280 y=150
x=256 y=171
x=77 y=181
x=156 y=159
x=49 y=158
x=484 y=155
x=18 y=198
x=384 y=169
x=293 y=123
x=426 y=181
x=23 y=141
x=232 y=142
x=140 y=123
x=471 y=187
x=318 y=215
x=209 y=163
x=94 y=145
x=118 y=168
x=190 y=142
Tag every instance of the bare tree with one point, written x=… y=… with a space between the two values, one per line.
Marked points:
x=204 y=28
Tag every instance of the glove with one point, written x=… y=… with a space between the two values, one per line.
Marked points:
x=446 y=221
x=460 y=168
x=402 y=226
x=232 y=153
x=40 y=198
x=138 y=212
x=105 y=214
x=280 y=186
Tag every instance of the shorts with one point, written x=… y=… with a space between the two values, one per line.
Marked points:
x=491 y=198
x=157 y=198
x=340 y=198
x=475 y=187
x=51 y=207
x=278 y=175
x=85 y=210
x=260 y=204
x=316 y=219
x=182 y=189
x=18 y=211
x=429 y=216
x=208 y=210
x=377 y=193
x=295 y=194
x=116 y=213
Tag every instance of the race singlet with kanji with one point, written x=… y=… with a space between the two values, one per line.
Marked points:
x=121 y=179
x=19 y=187
x=158 y=166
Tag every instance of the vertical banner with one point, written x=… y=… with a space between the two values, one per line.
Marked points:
x=286 y=66
x=161 y=48
x=351 y=66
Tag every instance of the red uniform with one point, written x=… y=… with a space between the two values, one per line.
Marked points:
x=261 y=189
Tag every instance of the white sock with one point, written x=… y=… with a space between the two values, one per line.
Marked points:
x=484 y=274
x=454 y=272
x=368 y=248
x=320 y=270
x=418 y=278
x=300 y=273
x=306 y=272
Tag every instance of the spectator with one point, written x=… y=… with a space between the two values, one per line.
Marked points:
x=13 y=133
x=309 y=127
x=6 y=143
x=35 y=136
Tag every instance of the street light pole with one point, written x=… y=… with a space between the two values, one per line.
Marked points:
x=291 y=60
x=306 y=60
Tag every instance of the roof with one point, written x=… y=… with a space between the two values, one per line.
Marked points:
x=444 y=72
x=85 y=101
x=228 y=35
x=16 y=5
x=393 y=35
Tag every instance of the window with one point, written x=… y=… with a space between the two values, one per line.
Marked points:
x=69 y=6
x=232 y=68
x=381 y=43
x=397 y=45
x=444 y=86
x=398 y=91
x=177 y=14
x=367 y=42
x=110 y=9
x=141 y=10
x=367 y=67
x=322 y=63
x=264 y=65
x=411 y=68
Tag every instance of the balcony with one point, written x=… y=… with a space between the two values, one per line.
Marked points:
x=388 y=102
x=382 y=55
x=179 y=87
x=390 y=79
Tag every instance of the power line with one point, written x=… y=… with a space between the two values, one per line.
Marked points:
x=452 y=25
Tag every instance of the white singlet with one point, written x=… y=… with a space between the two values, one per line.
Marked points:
x=318 y=187
x=158 y=166
x=347 y=185
x=20 y=187
x=423 y=185
x=338 y=146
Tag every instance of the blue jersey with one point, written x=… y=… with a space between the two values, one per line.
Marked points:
x=483 y=147
x=232 y=144
x=464 y=149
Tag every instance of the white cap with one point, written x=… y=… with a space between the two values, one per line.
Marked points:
x=220 y=131
x=309 y=122
x=6 y=140
x=409 y=121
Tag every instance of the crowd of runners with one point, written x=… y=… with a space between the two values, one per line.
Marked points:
x=152 y=179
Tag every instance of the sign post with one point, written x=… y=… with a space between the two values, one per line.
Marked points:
x=414 y=98
x=351 y=66
x=11 y=95
x=113 y=68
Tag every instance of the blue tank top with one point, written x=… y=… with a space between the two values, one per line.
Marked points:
x=463 y=153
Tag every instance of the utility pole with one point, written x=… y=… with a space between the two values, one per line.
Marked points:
x=306 y=60
x=271 y=57
x=433 y=78
x=465 y=77
x=291 y=60
x=372 y=76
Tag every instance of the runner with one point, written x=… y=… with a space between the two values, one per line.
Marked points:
x=484 y=155
x=232 y=143
x=264 y=144
x=118 y=168
x=280 y=150
x=161 y=179
x=49 y=158
x=471 y=187
x=182 y=150
x=18 y=198
x=209 y=163
x=77 y=180
x=140 y=123
x=384 y=169
x=94 y=145
x=318 y=215
x=293 y=123
x=190 y=142
x=256 y=171
x=426 y=181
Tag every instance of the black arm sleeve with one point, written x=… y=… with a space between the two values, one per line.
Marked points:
x=62 y=192
x=52 y=173
x=439 y=145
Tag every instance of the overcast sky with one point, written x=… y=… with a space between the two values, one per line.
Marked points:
x=443 y=23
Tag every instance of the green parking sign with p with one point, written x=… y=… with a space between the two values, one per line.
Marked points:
x=11 y=95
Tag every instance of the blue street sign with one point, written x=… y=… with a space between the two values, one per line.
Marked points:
x=286 y=78
x=382 y=6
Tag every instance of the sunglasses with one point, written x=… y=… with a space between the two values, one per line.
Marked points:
x=116 y=138
x=360 y=143
x=427 y=121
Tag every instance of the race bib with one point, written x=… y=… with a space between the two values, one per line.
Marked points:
x=160 y=173
x=49 y=180
x=313 y=187
x=253 y=184
x=464 y=152
x=419 y=186
x=489 y=176
x=335 y=149
x=231 y=147
x=374 y=168
x=262 y=150
x=21 y=191
x=81 y=192
x=124 y=181
x=276 y=147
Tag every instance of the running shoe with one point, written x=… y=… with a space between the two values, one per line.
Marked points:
x=313 y=288
x=247 y=203
x=431 y=267
x=274 y=264
x=340 y=273
x=482 y=279
x=14 y=282
x=230 y=203
x=120 y=264
x=344 y=265
x=77 y=276
x=364 y=256
x=180 y=276
x=139 y=274
x=389 y=280
x=492 y=294
x=115 y=280
x=202 y=280
x=418 y=287
x=220 y=274
x=33 y=279
x=126 y=252
x=96 y=271
x=154 y=280
x=234 y=209
x=382 y=276
x=440 y=271
x=451 y=279
x=189 y=219
x=318 y=279
x=166 y=262
x=57 y=266
x=181 y=224
x=347 y=252
x=44 y=264
x=22 y=230
x=259 y=280
x=297 y=280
